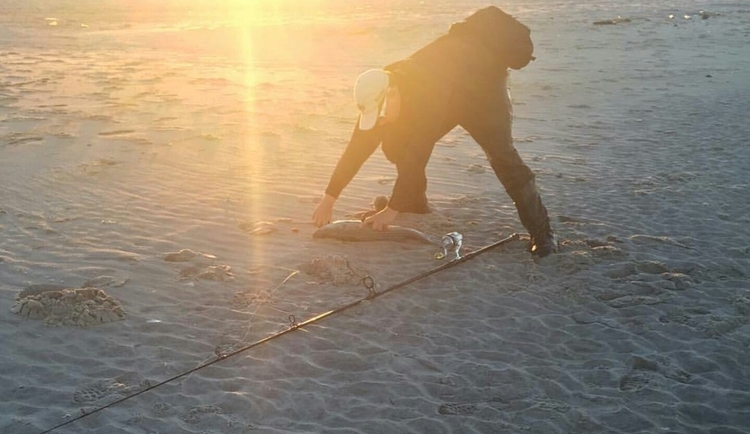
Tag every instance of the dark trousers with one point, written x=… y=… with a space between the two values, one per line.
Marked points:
x=485 y=112
x=488 y=118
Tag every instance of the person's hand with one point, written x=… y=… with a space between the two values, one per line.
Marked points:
x=381 y=220
x=324 y=211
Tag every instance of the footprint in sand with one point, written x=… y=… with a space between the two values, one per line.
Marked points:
x=336 y=269
x=552 y=405
x=194 y=414
x=712 y=324
x=96 y=391
x=677 y=375
x=101 y=389
x=643 y=371
x=458 y=409
x=663 y=366
x=162 y=408
x=634 y=381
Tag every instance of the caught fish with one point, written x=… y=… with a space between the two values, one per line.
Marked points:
x=352 y=230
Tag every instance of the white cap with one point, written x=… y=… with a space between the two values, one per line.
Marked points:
x=370 y=91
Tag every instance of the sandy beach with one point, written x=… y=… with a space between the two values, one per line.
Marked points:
x=159 y=166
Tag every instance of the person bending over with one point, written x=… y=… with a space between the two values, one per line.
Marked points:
x=458 y=79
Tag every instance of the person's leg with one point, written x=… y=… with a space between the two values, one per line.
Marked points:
x=409 y=147
x=412 y=178
x=489 y=120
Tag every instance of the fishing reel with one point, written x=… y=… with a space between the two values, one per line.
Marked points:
x=452 y=243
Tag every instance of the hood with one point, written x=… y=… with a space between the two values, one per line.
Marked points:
x=506 y=38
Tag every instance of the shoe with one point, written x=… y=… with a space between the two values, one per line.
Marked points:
x=543 y=246
x=418 y=206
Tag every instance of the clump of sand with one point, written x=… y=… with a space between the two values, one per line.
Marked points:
x=336 y=269
x=214 y=273
x=187 y=255
x=203 y=267
x=70 y=307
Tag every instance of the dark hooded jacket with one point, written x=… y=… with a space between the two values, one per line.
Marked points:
x=435 y=82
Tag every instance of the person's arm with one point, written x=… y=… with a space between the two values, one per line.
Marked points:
x=361 y=145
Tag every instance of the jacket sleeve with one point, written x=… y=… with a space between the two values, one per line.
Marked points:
x=361 y=145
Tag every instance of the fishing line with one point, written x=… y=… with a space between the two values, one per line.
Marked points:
x=372 y=293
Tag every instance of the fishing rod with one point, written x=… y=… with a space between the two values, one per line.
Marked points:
x=452 y=243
